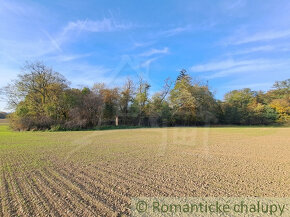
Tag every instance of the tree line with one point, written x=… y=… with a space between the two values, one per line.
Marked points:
x=3 y=115
x=42 y=99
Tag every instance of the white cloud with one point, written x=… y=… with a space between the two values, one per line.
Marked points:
x=214 y=66
x=262 y=49
x=104 y=25
x=232 y=67
x=83 y=73
x=264 y=85
x=148 y=62
x=54 y=43
x=17 y=8
x=19 y=51
x=232 y=5
x=142 y=44
x=239 y=69
x=69 y=57
x=155 y=51
x=254 y=49
x=175 y=31
x=259 y=37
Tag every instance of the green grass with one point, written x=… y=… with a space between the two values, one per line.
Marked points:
x=82 y=145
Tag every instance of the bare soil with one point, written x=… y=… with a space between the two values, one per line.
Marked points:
x=98 y=172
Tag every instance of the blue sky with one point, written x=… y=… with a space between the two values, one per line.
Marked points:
x=232 y=44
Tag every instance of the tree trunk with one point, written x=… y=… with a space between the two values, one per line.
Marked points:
x=100 y=119
x=117 y=121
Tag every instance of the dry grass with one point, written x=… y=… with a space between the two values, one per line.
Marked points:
x=3 y=121
x=97 y=172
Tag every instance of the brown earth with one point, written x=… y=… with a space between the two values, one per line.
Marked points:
x=94 y=173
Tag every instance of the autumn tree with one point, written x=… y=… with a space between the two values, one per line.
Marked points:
x=111 y=104
x=126 y=98
x=236 y=106
x=35 y=95
x=280 y=100
x=159 y=109
x=42 y=99
x=181 y=100
x=248 y=107
x=192 y=102
x=141 y=99
x=98 y=89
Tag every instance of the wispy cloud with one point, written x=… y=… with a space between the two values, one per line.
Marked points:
x=148 y=62
x=220 y=65
x=251 y=68
x=259 y=37
x=232 y=67
x=84 y=73
x=17 y=8
x=47 y=44
x=142 y=44
x=264 y=85
x=69 y=57
x=76 y=27
x=53 y=41
x=104 y=25
x=153 y=51
x=23 y=50
x=254 y=49
x=175 y=31
x=234 y=4
x=279 y=48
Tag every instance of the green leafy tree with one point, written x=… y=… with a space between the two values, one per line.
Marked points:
x=126 y=99
x=38 y=91
x=42 y=99
x=236 y=106
x=159 y=109
x=192 y=102
x=141 y=100
x=181 y=100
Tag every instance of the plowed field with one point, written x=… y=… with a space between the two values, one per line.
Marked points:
x=90 y=173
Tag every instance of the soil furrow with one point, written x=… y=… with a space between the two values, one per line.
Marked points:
x=78 y=193
x=24 y=205
x=41 y=202
x=9 y=202
x=66 y=192
x=26 y=201
x=80 y=189
x=102 y=179
x=1 y=195
x=61 y=201
x=116 y=200
x=138 y=182
x=99 y=180
x=47 y=194
x=156 y=177
x=36 y=203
